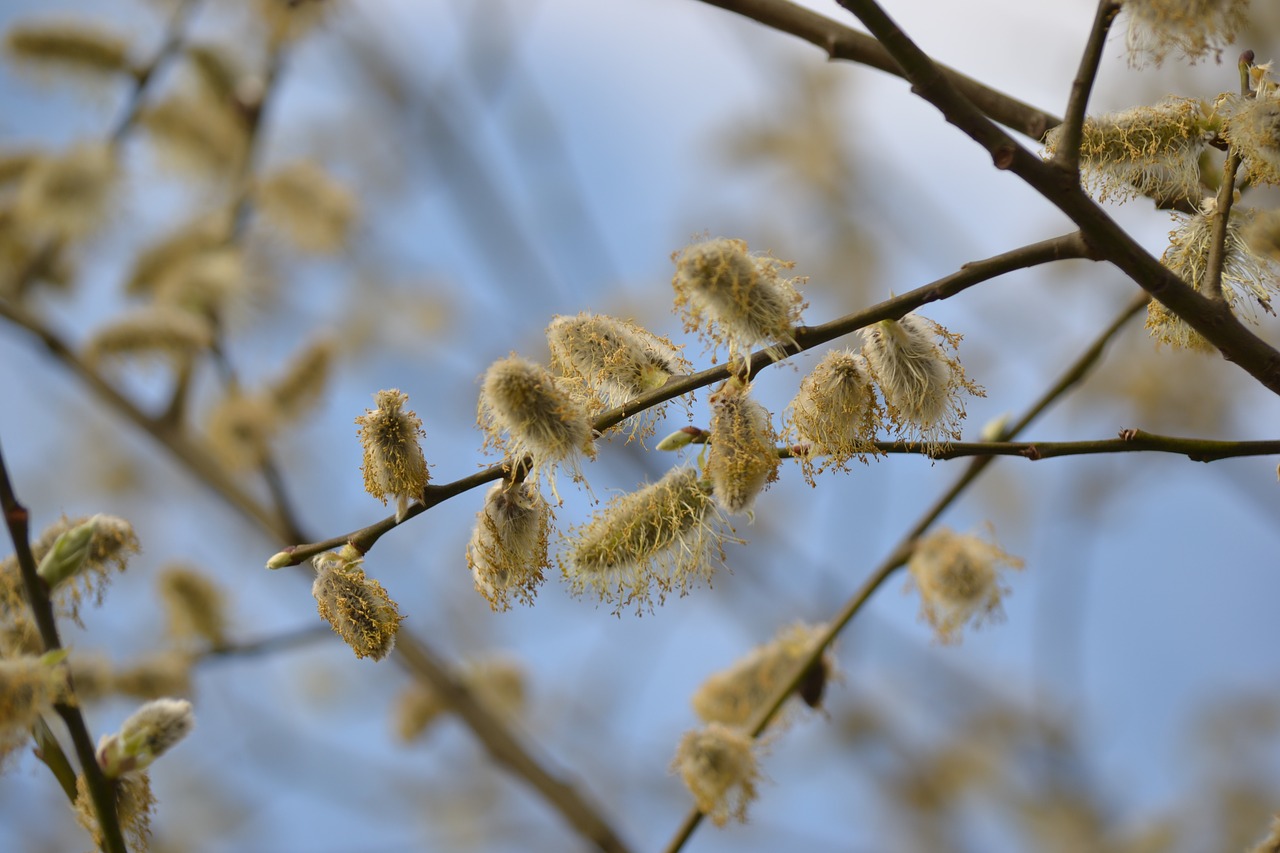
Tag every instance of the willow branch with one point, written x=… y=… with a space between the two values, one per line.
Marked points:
x=898 y=557
x=1129 y=441
x=18 y=520
x=410 y=652
x=841 y=42
x=170 y=46
x=1212 y=319
x=1068 y=156
x=1067 y=246
x=1222 y=219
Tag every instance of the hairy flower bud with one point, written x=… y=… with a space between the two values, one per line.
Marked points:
x=312 y=208
x=29 y=687
x=1194 y=29
x=159 y=331
x=743 y=454
x=612 y=361
x=540 y=418
x=508 y=547
x=147 y=734
x=836 y=411
x=719 y=767
x=133 y=802
x=663 y=534
x=1245 y=275
x=735 y=298
x=393 y=463
x=958 y=576
x=358 y=608
x=72 y=46
x=734 y=695
x=921 y=383
x=196 y=607
x=1147 y=150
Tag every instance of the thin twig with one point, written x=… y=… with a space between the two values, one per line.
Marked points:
x=170 y=46
x=1212 y=319
x=1222 y=219
x=902 y=552
x=17 y=519
x=841 y=42
x=1068 y=156
x=1067 y=246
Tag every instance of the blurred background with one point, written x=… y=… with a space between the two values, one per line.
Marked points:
x=429 y=184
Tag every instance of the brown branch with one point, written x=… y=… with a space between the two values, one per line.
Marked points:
x=841 y=42
x=1218 y=239
x=1130 y=441
x=1073 y=375
x=18 y=520
x=1068 y=156
x=1067 y=246
x=1214 y=320
x=411 y=652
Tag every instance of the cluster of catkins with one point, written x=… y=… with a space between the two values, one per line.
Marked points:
x=1157 y=151
x=667 y=535
x=76 y=558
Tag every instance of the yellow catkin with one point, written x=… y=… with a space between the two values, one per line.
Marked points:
x=733 y=696
x=162 y=332
x=835 y=415
x=1246 y=277
x=154 y=677
x=1253 y=129
x=196 y=606
x=145 y=735
x=134 y=803
x=959 y=581
x=508 y=548
x=664 y=536
x=240 y=428
x=522 y=401
x=1193 y=29
x=923 y=386
x=169 y=255
x=394 y=466
x=610 y=362
x=358 y=608
x=74 y=46
x=310 y=207
x=743 y=453
x=719 y=767
x=113 y=543
x=196 y=134
x=297 y=390
x=736 y=299
x=69 y=196
x=1146 y=150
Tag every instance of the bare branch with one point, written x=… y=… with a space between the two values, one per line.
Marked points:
x=1068 y=156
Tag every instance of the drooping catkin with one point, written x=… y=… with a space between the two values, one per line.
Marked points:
x=69 y=196
x=959 y=580
x=836 y=413
x=665 y=535
x=743 y=454
x=134 y=803
x=307 y=204
x=1253 y=129
x=158 y=332
x=508 y=548
x=195 y=605
x=734 y=298
x=1246 y=277
x=923 y=386
x=1194 y=29
x=1146 y=150
x=540 y=419
x=356 y=607
x=77 y=47
x=719 y=767
x=394 y=466
x=733 y=696
x=611 y=362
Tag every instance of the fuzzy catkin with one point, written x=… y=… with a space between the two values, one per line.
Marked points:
x=356 y=607
x=734 y=298
x=719 y=767
x=958 y=577
x=734 y=695
x=743 y=453
x=508 y=548
x=663 y=535
x=539 y=418
x=394 y=466
x=836 y=411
